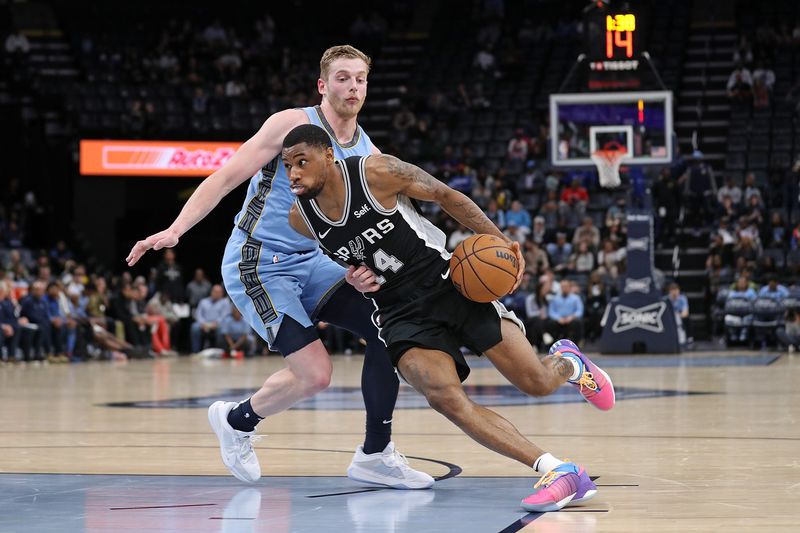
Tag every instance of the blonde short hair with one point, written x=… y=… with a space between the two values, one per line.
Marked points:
x=338 y=52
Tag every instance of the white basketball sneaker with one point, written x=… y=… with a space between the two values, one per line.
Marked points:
x=389 y=468
x=235 y=446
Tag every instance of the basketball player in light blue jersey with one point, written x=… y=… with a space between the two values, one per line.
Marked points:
x=282 y=282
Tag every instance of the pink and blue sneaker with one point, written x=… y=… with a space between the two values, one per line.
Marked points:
x=594 y=384
x=567 y=484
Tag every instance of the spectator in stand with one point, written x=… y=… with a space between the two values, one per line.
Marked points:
x=761 y=95
x=198 y=288
x=162 y=319
x=680 y=305
x=774 y=290
x=586 y=232
x=740 y=85
x=60 y=254
x=34 y=310
x=496 y=215
x=10 y=331
x=16 y=266
x=559 y=251
x=404 y=120
x=460 y=234
x=170 y=277
x=774 y=233
x=518 y=145
x=765 y=75
x=730 y=189
x=63 y=326
x=573 y=202
x=727 y=209
x=518 y=222
x=582 y=261
x=539 y=232
x=609 y=259
x=565 y=314
x=789 y=334
x=535 y=316
x=550 y=209
x=235 y=335
x=125 y=310
x=741 y=289
x=536 y=260
x=208 y=316
x=751 y=189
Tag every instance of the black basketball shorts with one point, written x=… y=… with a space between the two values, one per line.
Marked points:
x=434 y=315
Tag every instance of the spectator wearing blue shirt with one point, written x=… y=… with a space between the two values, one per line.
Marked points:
x=774 y=290
x=34 y=309
x=680 y=305
x=737 y=327
x=63 y=325
x=518 y=222
x=565 y=314
x=235 y=335
x=208 y=317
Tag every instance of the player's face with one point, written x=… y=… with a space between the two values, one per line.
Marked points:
x=346 y=86
x=307 y=168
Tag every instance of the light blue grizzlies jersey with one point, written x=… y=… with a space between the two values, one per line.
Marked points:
x=265 y=213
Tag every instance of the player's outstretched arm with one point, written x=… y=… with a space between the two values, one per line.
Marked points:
x=389 y=176
x=259 y=150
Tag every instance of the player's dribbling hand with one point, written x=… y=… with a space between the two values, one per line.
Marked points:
x=163 y=239
x=362 y=278
x=520 y=265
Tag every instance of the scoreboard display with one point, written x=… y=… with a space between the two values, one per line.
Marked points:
x=613 y=49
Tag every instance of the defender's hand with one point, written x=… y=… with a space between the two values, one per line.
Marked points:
x=520 y=265
x=362 y=278
x=163 y=239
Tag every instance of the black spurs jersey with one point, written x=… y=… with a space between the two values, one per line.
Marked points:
x=399 y=245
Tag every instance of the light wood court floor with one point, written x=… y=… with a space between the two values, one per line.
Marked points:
x=699 y=442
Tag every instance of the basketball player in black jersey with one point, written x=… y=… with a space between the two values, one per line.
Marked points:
x=359 y=211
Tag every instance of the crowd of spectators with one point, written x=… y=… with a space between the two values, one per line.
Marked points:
x=52 y=308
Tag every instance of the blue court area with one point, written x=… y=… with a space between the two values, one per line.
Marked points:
x=47 y=502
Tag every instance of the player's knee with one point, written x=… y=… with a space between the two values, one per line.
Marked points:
x=315 y=380
x=449 y=401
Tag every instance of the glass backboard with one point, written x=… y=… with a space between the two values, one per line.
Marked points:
x=582 y=123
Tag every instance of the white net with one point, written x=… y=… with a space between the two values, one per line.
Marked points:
x=608 y=163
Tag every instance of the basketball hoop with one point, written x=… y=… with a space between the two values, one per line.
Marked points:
x=608 y=160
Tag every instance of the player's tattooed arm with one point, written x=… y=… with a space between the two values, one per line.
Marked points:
x=389 y=176
x=297 y=222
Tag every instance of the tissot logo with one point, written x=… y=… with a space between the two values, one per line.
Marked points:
x=647 y=318
x=361 y=212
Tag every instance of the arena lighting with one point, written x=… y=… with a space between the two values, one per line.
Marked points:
x=153 y=158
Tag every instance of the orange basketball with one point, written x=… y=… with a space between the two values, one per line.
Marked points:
x=483 y=268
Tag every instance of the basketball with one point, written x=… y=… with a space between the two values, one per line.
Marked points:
x=483 y=268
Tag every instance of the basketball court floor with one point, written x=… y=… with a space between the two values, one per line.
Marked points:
x=700 y=442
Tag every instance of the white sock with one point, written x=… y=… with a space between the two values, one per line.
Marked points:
x=577 y=366
x=546 y=463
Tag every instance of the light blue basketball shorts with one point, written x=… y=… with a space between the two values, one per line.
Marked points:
x=266 y=285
